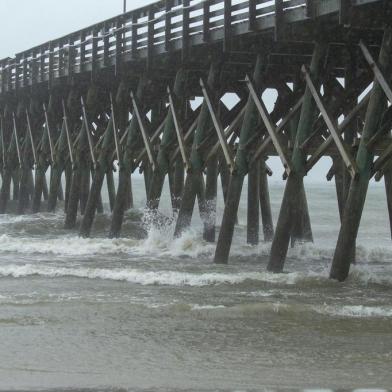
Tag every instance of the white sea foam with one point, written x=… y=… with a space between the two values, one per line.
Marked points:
x=66 y=245
x=372 y=274
x=207 y=307
x=165 y=277
x=359 y=311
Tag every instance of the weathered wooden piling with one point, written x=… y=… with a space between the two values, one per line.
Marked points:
x=125 y=163
x=291 y=210
x=81 y=161
x=359 y=185
x=248 y=129
x=194 y=183
x=162 y=164
x=157 y=58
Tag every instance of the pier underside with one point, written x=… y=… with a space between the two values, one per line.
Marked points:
x=146 y=92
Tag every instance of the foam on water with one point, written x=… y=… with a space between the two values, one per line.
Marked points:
x=172 y=278
x=359 y=311
x=68 y=245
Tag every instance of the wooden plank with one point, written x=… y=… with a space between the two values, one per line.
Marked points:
x=179 y=131
x=115 y=132
x=345 y=155
x=229 y=131
x=87 y=128
x=271 y=129
x=69 y=142
x=33 y=149
x=16 y=140
x=264 y=145
x=49 y=134
x=153 y=138
x=218 y=128
x=145 y=136
x=376 y=70
x=316 y=156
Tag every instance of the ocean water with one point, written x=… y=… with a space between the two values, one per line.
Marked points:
x=149 y=312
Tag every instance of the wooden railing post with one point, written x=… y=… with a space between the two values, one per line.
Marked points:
x=278 y=19
x=105 y=44
x=24 y=70
x=17 y=61
x=9 y=74
x=33 y=68
x=150 y=36
x=42 y=64
x=134 y=35
x=185 y=28
x=206 y=21
x=61 y=58
x=226 y=25
x=94 y=53
x=51 y=61
x=82 y=49
x=252 y=15
x=71 y=57
x=310 y=9
x=168 y=18
x=344 y=12
x=119 y=43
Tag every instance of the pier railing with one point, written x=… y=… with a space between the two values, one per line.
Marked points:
x=158 y=28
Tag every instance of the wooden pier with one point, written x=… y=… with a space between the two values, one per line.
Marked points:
x=120 y=91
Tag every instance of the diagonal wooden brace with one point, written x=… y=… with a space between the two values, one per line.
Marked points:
x=146 y=139
x=218 y=127
x=344 y=153
x=29 y=129
x=69 y=141
x=319 y=153
x=49 y=134
x=271 y=129
x=16 y=140
x=382 y=162
x=229 y=131
x=87 y=128
x=153 y=138
x=115 y=134
x=376 y=70
x=179 y=131
x=264 y=145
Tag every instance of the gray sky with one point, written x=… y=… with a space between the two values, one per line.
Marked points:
x=27 y=23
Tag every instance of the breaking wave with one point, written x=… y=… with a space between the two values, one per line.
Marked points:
x=143 y=277
x=65 y=245
x=359 y=311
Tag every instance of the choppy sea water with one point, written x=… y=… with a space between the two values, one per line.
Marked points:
x=146 y=312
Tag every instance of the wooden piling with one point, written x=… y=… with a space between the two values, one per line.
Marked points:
x=248 y=129
x=133 y=141
x=253 y=213
x=265 y=204
x=194 y=183
x=358 y=187
x=291 y=204
x=168 y=141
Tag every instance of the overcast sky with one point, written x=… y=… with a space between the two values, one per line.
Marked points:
x=27 y=23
